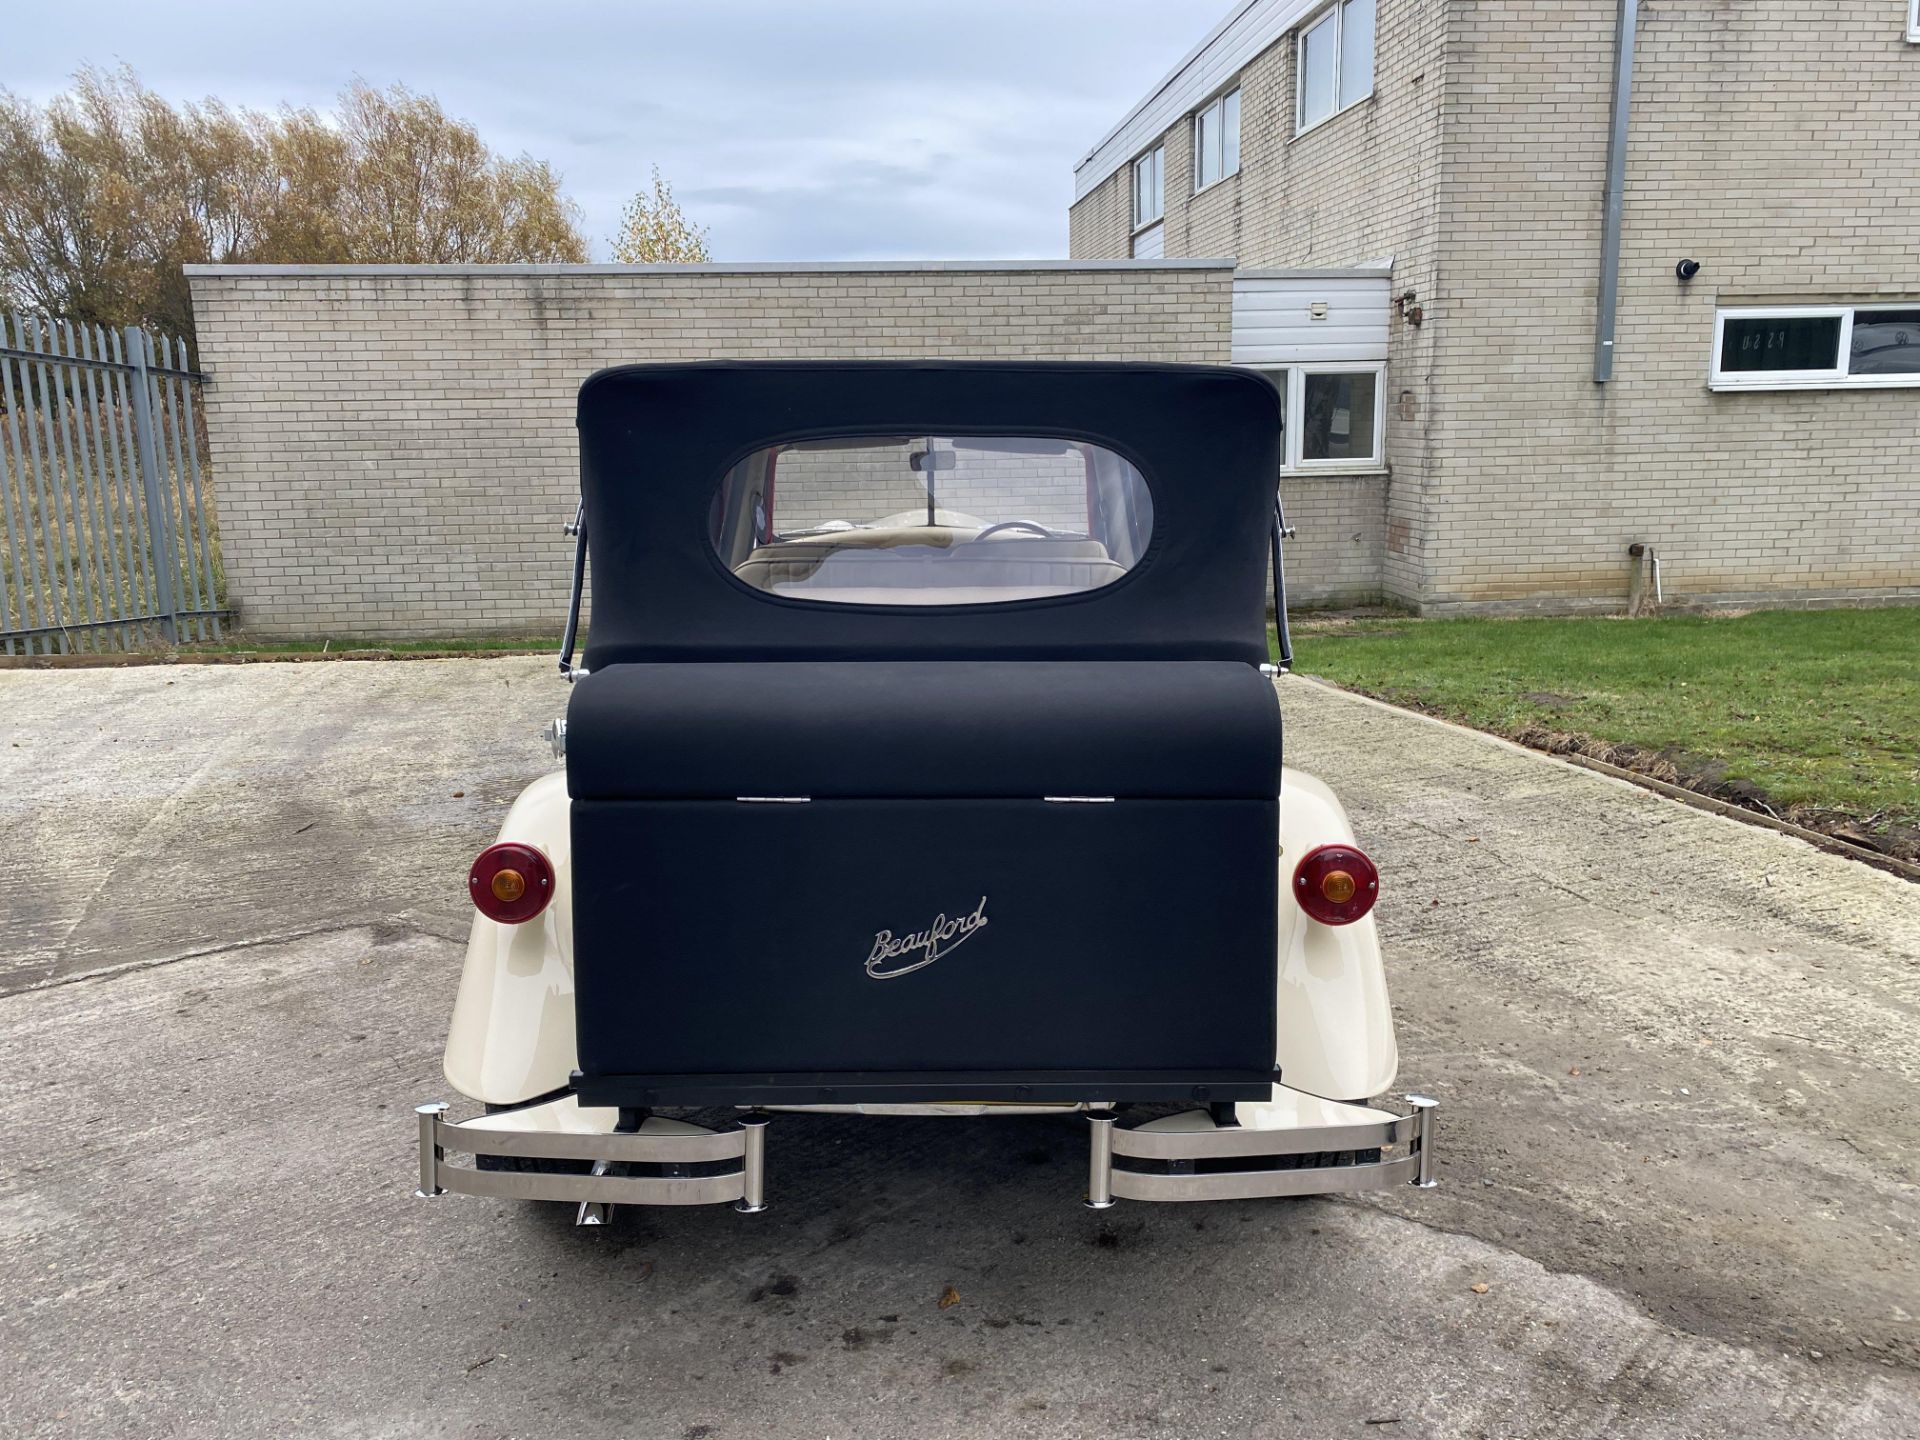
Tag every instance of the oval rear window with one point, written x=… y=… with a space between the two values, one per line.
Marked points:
x=931 y=519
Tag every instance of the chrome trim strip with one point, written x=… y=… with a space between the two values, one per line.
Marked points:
x=548 y=1145
x=1078 y=799
x=1215 y=1144
x=1262 y=1184
x=774 y=799
x=606 y=1189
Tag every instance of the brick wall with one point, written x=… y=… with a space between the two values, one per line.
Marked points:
x=1338 y=554
x=1100 y=226
x=1776 y=142
x=395 y=447
x=1360 y=187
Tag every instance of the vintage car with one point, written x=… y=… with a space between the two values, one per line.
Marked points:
x=925 y=758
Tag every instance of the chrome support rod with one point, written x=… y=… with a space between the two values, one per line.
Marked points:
x=579 y=531
x=753 y=1197
x=1282 y=532
x=1423 y=1108
x=595 y=1212
x=429 y=1149
x=1100 y=1162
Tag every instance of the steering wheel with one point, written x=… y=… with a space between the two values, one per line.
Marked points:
x=1034 y=525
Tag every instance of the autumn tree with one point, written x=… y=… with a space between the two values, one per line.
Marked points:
x=109 y=189
x=654 y=230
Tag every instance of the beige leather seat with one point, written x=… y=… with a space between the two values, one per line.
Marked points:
x=928 y=565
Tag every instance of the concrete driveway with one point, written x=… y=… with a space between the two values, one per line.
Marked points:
x=1677 y=1055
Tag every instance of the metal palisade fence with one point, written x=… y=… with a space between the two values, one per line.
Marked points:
x=107 y=539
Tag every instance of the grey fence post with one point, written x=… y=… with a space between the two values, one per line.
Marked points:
x=159 y=501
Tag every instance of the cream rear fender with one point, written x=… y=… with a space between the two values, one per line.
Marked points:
x=512 y=1036
x=1333 y=1027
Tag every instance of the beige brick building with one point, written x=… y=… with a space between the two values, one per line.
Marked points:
x=394 y=444
x=1761 y=426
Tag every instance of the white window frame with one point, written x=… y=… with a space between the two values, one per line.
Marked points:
x=1336 y=12
x=1219 y=103
x=1294 y=399
x=1913 y=22
x=1834 y=377
x=1147 y=222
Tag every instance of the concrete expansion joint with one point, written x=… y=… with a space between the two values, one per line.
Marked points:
x=253 y=942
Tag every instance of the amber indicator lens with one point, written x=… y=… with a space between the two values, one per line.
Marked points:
x=510 y=883
x=1336 y=884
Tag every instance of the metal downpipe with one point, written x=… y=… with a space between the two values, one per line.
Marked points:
x=1626 y=29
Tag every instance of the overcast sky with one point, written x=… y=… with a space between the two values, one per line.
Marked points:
x=794 y=129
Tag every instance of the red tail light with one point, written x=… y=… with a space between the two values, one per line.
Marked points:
x=1336 y=884
x=510 y=883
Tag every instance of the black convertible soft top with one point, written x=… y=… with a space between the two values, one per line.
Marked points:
x=656 y=440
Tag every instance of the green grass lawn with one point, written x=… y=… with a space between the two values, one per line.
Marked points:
x=1808 y=711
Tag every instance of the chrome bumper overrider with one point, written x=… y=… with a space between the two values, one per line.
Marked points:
x=1179 y=1157
x=1162 y=1160
x=735 y=1158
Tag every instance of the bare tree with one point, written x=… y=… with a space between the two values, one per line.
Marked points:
x=109 y=189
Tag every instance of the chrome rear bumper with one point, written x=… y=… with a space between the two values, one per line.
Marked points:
x=1176 y=1158
x=1163 y=1160
x=734 y=1159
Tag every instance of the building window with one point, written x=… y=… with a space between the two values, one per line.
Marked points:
x=1788 y=347
x=1336 y=420
x=1216 y=141
x=1884 y=343
x=1335 y=63
x=1913 y=21
x=1148 y=191
x=1339 y=417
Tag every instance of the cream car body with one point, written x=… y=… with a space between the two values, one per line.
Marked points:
x=886 y=656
